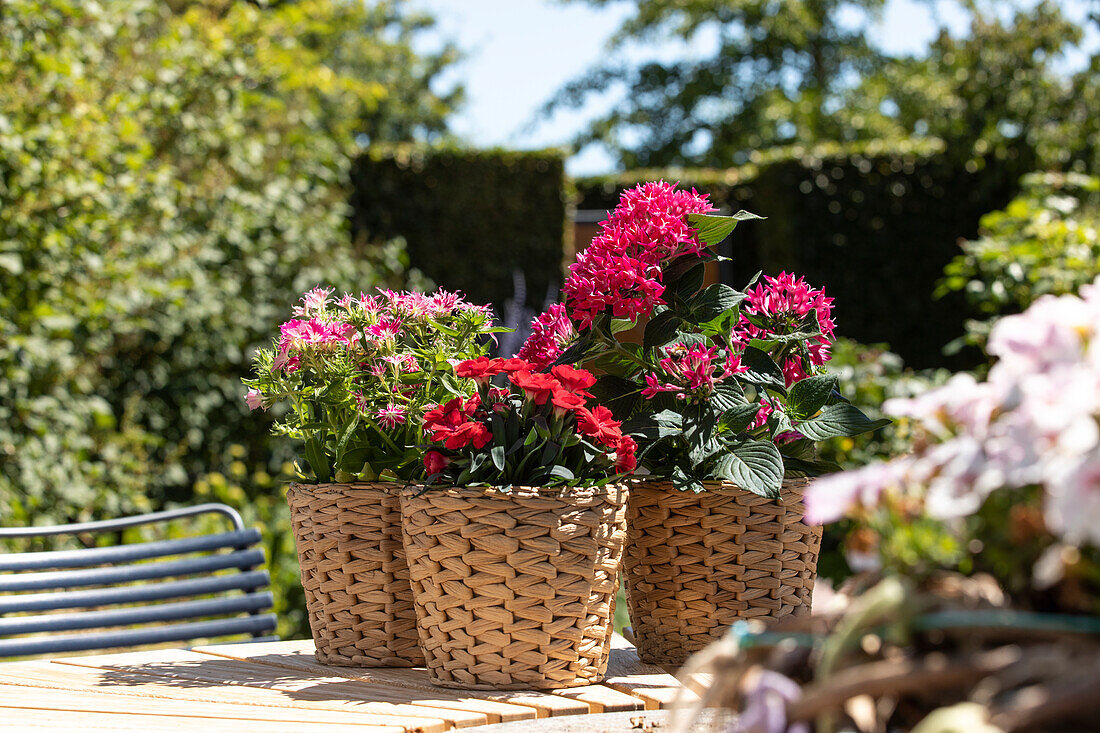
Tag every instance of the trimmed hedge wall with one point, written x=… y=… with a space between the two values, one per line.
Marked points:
x=874 y=224
x=471 y=219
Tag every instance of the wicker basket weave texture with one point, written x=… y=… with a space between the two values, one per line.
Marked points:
x=354 y=574
x=697 y=562
x=515 y=590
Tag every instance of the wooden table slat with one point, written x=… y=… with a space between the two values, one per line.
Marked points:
x=298 y=655
x=272 y=686
x=66 y=720
x=627 y=673
x=136 y=681
x=602 y=699
x=22 y=697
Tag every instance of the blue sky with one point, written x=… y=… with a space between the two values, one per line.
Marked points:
x=518 y=52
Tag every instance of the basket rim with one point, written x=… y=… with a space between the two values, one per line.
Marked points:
x=388 y=486
x=792 y=484
x=612 y=489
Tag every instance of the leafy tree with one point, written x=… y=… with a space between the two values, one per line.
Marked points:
x=171 y=178
x=787 y=71
x=997 y=88
x=777 y=72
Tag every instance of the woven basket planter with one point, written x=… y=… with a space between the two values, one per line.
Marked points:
x=515 y=590
x=354 y=574
x=697 y=562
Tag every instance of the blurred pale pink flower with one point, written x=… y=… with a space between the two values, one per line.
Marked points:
x=764 y=709
x=1072 y=506
x=254 y=399
x=1035 y=420
x=832 y=496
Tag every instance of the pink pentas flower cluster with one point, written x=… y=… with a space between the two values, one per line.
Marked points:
x=1034 y=420
x=691 y=371
x=551 y=332
x=621 y=270
x=782 y=303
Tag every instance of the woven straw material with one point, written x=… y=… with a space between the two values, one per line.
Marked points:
x=515 y=590
x=354 y=574
x=697 y=562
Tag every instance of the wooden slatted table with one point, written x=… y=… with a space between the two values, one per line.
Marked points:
x=277 y=686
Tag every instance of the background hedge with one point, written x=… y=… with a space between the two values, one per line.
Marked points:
x=875 y=224
x=471 y=218
x=169 y=185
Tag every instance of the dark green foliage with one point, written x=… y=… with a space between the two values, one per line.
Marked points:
x=471 y=219
x=169 y=183
x=1045 y=242
x=874 y=224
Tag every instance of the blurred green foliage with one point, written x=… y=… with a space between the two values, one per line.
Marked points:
x=472 y=218
x=873 y=223
x=762 y=73
x=1045 y=242
x=172 y=177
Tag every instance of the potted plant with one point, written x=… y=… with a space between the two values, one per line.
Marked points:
x=515 y=544
x=725 y=397
x=352 y=378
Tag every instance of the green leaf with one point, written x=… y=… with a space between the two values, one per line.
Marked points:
x=618 y=325
x=754 y=465
x=714 y=301
x=660 y=330
x=738 y=418
x=712 y=229
x=808 y=396
x=550 y=454
x=497 y=454
x=763 y=370
x=317 y=459
x=687 y=284
x=653 y=427
x=562 y=472
x=727 y=396
x=689 y=339
x=684 y=482
x=616 y=394
x=838 y=420
x=798 y=467
x=444 y=329
x=576 y=352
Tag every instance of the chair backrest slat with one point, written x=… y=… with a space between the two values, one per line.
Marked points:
x=216 y=582
x=255 y=625
x=30 y=602
x=126 y=553
x=182 y=611
x=243 y=559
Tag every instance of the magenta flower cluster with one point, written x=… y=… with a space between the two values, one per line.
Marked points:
x=621 y=270
x=551 y=332
x=782 y=303
x=691 y=371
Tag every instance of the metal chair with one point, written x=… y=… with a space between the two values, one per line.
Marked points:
x=33 y=582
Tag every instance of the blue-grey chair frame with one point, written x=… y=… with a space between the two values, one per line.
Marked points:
x=100 y=577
